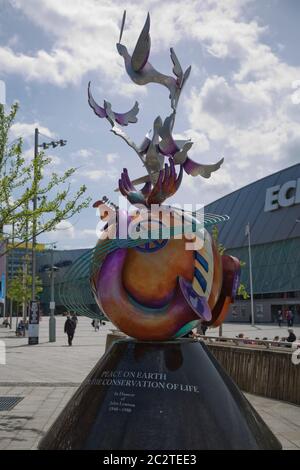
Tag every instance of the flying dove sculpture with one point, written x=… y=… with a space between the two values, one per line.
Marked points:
x=178 y=150
x=159 y=152
x=106 y=112
x=142 y=72
x=153 y=152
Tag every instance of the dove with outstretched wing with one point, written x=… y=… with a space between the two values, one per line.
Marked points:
x=142 y=72
x=106 y=112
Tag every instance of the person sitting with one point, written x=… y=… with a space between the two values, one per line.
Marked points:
x=5 y=322
x=275 y=341
x=292 y=337
x=20 y=328
x=240 y=336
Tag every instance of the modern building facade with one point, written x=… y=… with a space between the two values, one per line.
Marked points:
x=71 y=289
x=271 y=207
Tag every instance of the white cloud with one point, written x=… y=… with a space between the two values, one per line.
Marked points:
x=54 y=160
x=89 y=231
x=63 y=230
x=98 y=175
x=250 y=115
x=83 y=153
x=83 y=40
x=112 y=157
x=26 y=130
x=200 y=141
x=74 y=236
x=84 y=36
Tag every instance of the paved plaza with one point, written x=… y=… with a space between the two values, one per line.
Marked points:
x=48 y=374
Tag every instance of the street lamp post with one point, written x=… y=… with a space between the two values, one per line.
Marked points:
x=34 y=202
x=44 y=146
x=247 y=232
x=52 y=320
x=11 y=274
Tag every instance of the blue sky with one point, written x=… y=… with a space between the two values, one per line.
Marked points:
x=241 y=101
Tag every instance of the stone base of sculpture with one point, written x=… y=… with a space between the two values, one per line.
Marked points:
x=158 y=396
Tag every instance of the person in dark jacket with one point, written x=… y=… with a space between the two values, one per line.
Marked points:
x=70 y=327
x=292 y=337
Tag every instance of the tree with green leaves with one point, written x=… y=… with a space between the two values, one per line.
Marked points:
x=21 y=181
x=19 y=287
x=14 y=173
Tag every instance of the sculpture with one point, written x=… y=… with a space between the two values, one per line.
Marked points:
x=159 y=290
x=155 y=289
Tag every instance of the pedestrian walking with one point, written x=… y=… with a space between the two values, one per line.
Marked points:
x=70 y=327
x=279 y=318
x=289 y=317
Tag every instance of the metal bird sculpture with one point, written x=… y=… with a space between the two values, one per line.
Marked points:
x=106 y=112
x=153 y=151
x=161 y=180
x=142 y=72
x=178 y=150
x=154 y=161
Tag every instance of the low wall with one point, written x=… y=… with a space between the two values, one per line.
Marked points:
x=264 y=372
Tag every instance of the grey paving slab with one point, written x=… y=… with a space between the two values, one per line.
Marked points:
x=52 y=362
x=4 y=443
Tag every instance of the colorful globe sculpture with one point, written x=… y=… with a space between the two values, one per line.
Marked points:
x=161 y=288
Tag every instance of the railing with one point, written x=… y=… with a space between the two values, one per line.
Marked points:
x=268 y=344
x=260 y=367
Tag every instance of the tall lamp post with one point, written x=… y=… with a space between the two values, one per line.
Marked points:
x=52 y=321
x=44 y=146
x=11 y=273
x=247 y=233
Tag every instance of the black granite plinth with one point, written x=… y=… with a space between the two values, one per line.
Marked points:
x=158 y=396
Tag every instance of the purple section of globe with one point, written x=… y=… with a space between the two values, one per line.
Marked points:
x=155 y=303
x=197 y=303
x=110 y=267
